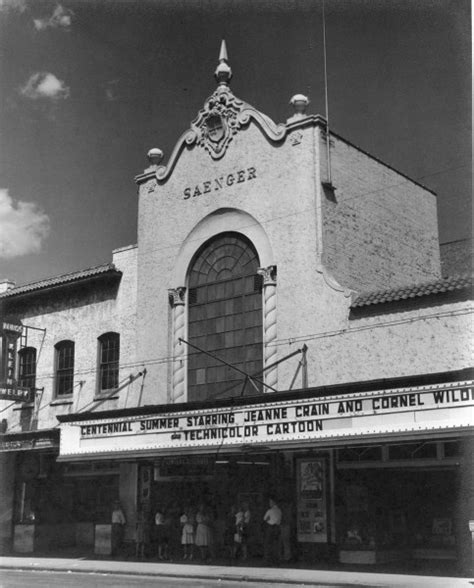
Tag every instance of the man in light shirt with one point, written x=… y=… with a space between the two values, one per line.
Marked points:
x=272 y=519
x=118 y=525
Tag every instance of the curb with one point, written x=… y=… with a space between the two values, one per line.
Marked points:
x=217 y=577
x=282 y=576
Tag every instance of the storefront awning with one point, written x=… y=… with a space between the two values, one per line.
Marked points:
x=30 y=440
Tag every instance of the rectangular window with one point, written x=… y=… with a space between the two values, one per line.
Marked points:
x=64 y=368
x=27 y=367
x=109 y=355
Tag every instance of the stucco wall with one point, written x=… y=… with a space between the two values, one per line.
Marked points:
x=380 y=229
x=384 y=238
x=275 y=209
x=80 y=315
x=400 y=343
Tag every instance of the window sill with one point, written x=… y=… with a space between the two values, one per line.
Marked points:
x=60 y=401
x=28 y=406
x=101 y=398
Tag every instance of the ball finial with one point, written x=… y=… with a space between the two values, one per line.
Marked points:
x=300 y=103
x=155 y=156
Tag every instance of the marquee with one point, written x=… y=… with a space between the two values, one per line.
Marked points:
x=387 y=412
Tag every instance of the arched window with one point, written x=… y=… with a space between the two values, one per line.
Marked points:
x=64 y=368
x=109 y=355
x=225 y=317
x=27 y=367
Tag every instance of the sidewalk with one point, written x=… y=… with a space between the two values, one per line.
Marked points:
x=239 y=573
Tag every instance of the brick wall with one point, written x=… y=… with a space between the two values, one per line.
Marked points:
x=457 y=257
x=380 y=229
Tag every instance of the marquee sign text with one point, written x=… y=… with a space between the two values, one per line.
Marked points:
x=380 y=412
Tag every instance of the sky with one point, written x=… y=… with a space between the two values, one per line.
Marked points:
x=88 y=87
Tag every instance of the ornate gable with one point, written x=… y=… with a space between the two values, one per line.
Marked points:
x=221 y=118
x=218 y=122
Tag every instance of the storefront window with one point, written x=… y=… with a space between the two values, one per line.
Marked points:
x=388 y=509
x=225 y=317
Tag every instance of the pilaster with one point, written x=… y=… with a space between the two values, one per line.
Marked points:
x=269 y=275
x=177 y=301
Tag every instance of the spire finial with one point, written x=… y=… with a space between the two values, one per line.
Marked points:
x=223 y=72
x=223 y=52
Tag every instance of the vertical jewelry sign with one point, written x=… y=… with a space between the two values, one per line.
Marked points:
x=312 y=524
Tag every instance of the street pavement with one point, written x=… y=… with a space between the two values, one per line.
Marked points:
x=48 y=579
x=33 y=570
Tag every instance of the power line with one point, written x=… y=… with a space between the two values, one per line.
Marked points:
x=280 y=342
x=304 y=211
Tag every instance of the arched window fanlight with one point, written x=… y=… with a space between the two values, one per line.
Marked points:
x=225 y=317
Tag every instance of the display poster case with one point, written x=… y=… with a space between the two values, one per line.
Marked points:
x=312 y=519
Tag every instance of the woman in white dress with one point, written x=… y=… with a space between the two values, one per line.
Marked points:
x=203 y=537
x=187 y=535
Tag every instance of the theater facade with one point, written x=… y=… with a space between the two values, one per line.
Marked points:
x=282 y=327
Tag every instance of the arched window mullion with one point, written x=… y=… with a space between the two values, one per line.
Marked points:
x=230 y=331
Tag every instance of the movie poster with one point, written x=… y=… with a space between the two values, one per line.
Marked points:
x=311 y=501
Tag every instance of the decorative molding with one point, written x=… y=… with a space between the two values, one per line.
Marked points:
x=176 y=296
x=333 y=283
x=296 y=138
x=177 y=301
x=218 y=122
x=178 y=354
x=269 y=323
x=269 y=274
x=151 y=186
x=272 y=131
x=221 y=118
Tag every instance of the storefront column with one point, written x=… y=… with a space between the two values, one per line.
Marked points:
x=176 y=297
x=7 y=480
x=128 y=497
x=465 y=508
x=269 y=323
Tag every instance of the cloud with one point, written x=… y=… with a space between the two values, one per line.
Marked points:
x=60 y=19
x=23 y=226
x=44 y=85
x=12 y=5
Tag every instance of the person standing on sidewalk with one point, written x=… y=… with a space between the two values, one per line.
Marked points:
x=187 y=521
x=118 y=526
x=272 y=520
x=203 y=537
x=162 y=524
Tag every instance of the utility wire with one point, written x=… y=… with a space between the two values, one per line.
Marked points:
x=175 y=244
x=172 y=246
x=280 y=342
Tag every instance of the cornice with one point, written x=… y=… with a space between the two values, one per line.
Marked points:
x=234 y=116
